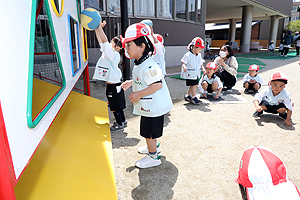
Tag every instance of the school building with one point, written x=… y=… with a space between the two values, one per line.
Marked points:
x=179 y=21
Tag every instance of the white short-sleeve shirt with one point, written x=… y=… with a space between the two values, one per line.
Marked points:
x=157 y=103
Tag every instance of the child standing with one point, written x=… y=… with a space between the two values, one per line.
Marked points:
x=275 y=99
x=150 y=94
x=271 y=48
x=252 y=81
x=280 y=50
x=191 y=68
x=107 y=70
x=210 y=83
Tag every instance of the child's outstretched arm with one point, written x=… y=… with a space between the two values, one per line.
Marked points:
x=257 y=106
x=135 y=96
x=126 y=85
x=102 y=38
x=288 y=121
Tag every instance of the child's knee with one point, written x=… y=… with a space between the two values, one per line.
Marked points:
x=246 y=85
x=256 y=86
x=281 y=110
x=214 y=86
x=204 y=85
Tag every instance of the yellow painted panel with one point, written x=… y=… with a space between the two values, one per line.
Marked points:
x=74 y=160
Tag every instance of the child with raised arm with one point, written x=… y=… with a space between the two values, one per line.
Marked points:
x=275 y=99
x=192 y=64
x=107 y=69
x=210 y=83
x=150 y=96
x=252 y=81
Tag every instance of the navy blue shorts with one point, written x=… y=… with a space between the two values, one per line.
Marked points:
x=151 y=127
x=192 y=82
x=116 y=100
x=272 y=109
x=251 y=85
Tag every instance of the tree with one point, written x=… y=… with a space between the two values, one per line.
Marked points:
x=294 y=26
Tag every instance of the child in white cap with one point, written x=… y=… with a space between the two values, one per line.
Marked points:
x=252 y=81
x=150 y=96
x=192 y=64
x=210 y=82
x=274 y=99
x=262 y=176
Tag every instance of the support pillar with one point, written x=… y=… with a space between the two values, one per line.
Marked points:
x=246 y=28
x=273 y=29
x=232 y=30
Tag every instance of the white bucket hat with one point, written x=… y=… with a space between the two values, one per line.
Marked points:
x=263 y=174
x=135 y=31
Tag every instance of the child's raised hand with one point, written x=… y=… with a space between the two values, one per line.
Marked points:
x=126 y=85
x=102 y=24
x=288 y=122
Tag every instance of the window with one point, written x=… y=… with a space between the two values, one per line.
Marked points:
x=198 y=11
x=130 y=12
x=191 y=9
x=114 y=7
x=145 y=7
x=164 y=8
x=180 y=9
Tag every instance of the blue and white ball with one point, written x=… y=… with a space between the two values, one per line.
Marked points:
x=90 y=19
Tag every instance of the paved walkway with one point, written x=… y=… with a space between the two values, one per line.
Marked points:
x=202 y=144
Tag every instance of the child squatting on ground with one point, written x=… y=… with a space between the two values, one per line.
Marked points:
x=150 y=97
x=192 y=64
x=210 y=83
x=107 y=69
x=271 y=48
x=274 y=99
x=252 y=81
x=262 y=176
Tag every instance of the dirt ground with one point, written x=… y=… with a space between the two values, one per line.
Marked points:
x=202 y=144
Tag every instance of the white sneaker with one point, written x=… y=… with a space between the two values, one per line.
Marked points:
x=144 y=149
x=147 y=162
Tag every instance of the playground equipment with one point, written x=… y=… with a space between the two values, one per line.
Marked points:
x=37 y=165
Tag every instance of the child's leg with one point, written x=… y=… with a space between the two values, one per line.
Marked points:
x=118 y=117
x=152 y=146
x=193 y=90
x=214 y=86
x=189 y=90
x=246 y=85
x=204 y=85
x=256 y=86
x=281 y=110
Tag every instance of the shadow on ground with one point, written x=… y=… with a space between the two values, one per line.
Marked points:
x=155 y=183
x=122 y=140
x=274 y=119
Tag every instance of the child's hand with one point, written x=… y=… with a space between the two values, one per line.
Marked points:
x=184 y=68
x=204 y=71
x=102 y=24
x=204 y=95
x=216 y=96
x=252 y=81
x=258 y=108
x=126 y=85
x=288 y=122
x=134 y=97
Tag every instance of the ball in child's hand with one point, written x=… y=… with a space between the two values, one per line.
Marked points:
x=90 y=18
